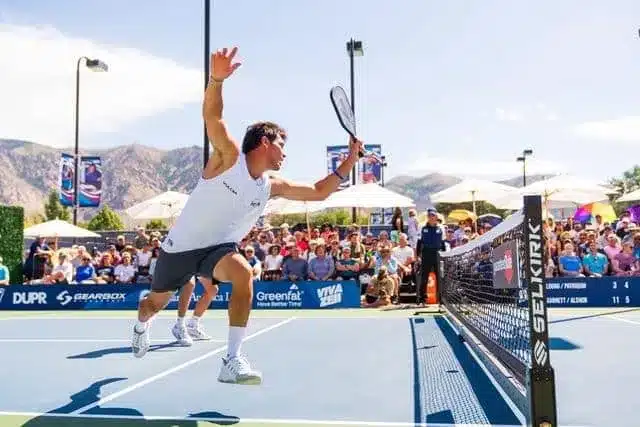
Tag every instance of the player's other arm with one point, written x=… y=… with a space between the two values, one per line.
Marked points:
x=226 y=149
x=320 y=190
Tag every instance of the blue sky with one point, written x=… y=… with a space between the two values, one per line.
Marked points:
x=457 y=87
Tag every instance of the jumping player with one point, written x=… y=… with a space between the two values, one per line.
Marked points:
x=227 y=201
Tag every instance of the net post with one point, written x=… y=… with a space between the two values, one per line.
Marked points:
x=541 y=377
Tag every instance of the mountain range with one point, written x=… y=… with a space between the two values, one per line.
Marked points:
x=133 y=173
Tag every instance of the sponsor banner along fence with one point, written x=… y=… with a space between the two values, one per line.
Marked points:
x=591 y=292
x=266 y=295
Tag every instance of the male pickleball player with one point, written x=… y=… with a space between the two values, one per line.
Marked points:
x=186 y=331
x=430 y=242
x=227 y=201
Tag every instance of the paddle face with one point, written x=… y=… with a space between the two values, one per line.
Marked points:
x=343 y=109
x=347 y=120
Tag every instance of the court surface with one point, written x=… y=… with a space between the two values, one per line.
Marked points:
x=321 y=368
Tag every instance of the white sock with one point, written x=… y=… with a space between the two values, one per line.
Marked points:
x=236 y=336
x=141 y=326
x=181 y=320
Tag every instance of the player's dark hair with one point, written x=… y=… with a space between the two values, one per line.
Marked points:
x=256 y=131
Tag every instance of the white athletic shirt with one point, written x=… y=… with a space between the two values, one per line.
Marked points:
x=220 y=210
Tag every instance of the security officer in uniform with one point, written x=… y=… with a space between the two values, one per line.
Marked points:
x=430 y=242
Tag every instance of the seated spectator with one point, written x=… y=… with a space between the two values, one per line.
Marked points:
x=105 y=270
x=141 y=240
x=311 y=254
x=143 y=258
x=379 y=290
x=85 y=272
x=254 y=262
x=115 y=255
x=569 y=263
x=120 y=243
x=625 y=263
x=404 y=254
x=613 y=247
x=63 y=272
x=125 y=272
x=294 y=268
x=347 y=268
x=595 y=262
x=321 y=267
x=636 y=244
x=4 y=273
x=385 y=259
x=273 y=264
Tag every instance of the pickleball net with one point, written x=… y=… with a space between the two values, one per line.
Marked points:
x=492 y=289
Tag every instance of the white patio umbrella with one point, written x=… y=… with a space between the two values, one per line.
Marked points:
x=562 y=191
x=473 y=190
x=367 y=196
x=281 y=206
x=630 y=197
x=57 y=228
x=163 y=206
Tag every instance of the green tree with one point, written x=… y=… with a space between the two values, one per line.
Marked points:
x=156 y=224
x=629 y=181
x=33 y=219
x=106 y=219
x=53 y=209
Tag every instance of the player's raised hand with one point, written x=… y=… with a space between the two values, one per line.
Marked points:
x=222 y=65
x=355 y=147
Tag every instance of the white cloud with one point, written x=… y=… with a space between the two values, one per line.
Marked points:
x=37 y=86
x=508 y=115
x=625 y=129
x=483 y=168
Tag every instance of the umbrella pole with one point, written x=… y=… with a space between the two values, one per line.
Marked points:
x=473 y=200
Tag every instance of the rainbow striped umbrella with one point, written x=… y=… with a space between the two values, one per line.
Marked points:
x=587 y=213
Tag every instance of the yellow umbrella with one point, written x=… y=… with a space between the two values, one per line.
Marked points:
x=588 y=212
x=458 y=215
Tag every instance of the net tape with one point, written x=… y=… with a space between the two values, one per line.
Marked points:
x=497 y=316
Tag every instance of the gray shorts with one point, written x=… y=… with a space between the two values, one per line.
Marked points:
x=174 y=269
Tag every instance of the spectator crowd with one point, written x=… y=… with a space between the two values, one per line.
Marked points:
x=379 y=263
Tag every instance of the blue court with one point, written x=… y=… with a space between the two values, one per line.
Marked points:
x=322 y=368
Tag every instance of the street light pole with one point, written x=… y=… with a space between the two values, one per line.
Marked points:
x=353 y=48
x=382 y=166
x=523 y=159
x=94 y=65
x=207 y=55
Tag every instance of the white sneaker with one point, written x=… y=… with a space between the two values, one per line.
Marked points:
x=140 y=341
x=238 y=371
x=180 y=332
x=197 y=332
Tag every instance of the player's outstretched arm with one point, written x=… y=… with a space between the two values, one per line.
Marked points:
x=322 y=189
x=226 y=149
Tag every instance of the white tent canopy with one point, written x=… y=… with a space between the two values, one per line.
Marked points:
x=163 y=206
x=473 y=190
x=367 y=196
x=634 y=196
x=57 y=228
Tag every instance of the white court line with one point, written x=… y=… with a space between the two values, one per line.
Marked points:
x=620 y=319
x=276 y=421
x=186 y=364
x=77 y=340
x=514 y=408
